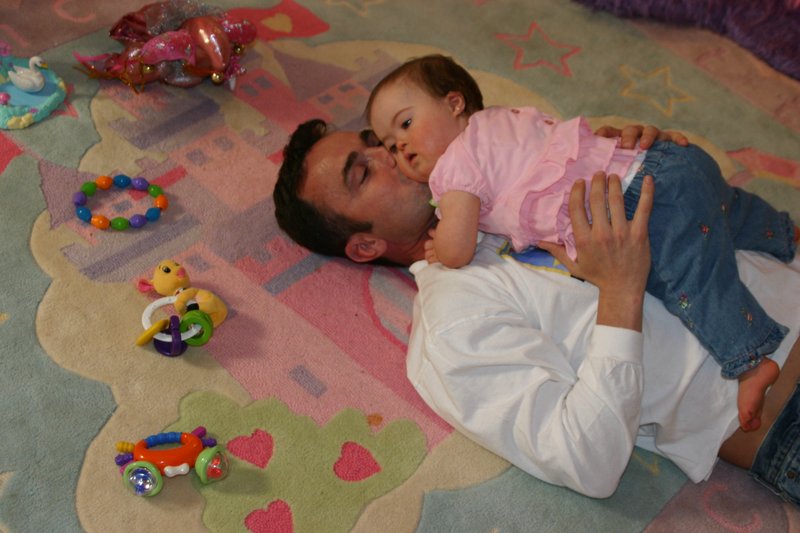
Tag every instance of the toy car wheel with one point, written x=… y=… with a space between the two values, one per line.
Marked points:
x=143 y=478
x=211 y=465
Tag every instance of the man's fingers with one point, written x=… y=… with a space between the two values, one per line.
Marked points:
x=674 y=136
x=629 y=135
x=607 y=131
x=577 y=209
x=616 y=202
x=641 y=217
x=598 y=204
x=560 y=253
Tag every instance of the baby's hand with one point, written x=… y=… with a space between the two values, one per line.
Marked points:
x=430 y=249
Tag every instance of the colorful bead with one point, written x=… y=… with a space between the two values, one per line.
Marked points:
x=84 y=214
x=120 y=223
x=121 y=181
x=138 y=220
x=104 y=182
x=89 y=188
x=100 y=222
x=79 y=198
x=153 y=214
x=140 y=184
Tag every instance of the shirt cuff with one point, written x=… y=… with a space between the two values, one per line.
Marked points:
x=617 y=343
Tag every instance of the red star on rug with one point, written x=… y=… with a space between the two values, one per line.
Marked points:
x=539 y=48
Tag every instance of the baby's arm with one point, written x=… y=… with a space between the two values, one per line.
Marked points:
x=457 y=231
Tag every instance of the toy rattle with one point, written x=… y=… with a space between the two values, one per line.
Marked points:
x=143 y=464
x=120 y=181
x=199 y=311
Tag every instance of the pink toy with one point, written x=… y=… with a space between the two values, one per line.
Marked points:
x=179 y=42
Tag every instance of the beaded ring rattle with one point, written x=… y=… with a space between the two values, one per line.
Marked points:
x=194 y=329
x=122 y=182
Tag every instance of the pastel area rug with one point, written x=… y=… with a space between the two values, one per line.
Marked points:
x=304 y=383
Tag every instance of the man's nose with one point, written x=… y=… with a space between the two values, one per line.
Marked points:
x=381 y=155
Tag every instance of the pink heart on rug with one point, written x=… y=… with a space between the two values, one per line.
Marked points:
x=355 y=463
x=255 y=449
x=276 y=518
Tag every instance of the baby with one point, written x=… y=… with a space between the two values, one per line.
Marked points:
x=510 y=171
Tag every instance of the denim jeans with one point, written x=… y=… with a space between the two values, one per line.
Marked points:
x=777 y=462
x=697 y=223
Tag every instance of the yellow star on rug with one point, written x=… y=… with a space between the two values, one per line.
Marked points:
x=655 y=88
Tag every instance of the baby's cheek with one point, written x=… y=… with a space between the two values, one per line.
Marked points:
x=408 y=171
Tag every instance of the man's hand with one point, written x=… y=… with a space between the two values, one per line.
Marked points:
x=613 y=253
x=646 y=135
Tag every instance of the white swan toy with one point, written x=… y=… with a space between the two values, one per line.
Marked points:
x=29 y=79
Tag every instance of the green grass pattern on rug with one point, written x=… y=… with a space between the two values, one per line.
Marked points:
x=286 y=469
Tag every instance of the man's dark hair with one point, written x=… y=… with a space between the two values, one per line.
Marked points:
x=437 y=75
x=320 y=231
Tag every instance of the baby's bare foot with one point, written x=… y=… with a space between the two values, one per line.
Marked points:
x=753 y=386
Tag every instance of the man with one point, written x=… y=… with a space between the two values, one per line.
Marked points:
x=560 y=375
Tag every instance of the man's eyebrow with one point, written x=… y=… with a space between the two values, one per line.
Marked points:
x=348 y=164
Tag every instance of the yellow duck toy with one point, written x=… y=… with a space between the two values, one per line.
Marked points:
x=170 y=278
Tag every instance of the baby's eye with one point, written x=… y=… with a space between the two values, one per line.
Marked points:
x=406 y=124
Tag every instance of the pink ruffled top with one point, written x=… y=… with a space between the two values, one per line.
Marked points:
x=522 y=163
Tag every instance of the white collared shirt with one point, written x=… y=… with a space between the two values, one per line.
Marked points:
x=511 y=356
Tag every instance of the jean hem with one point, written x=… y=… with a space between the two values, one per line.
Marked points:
x=753 y=357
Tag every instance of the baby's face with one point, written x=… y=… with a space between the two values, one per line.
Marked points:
x=415 y=126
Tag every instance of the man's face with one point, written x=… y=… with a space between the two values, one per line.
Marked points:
x=358 y=178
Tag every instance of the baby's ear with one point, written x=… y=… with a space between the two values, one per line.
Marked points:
x=456 y=102
x=144 y=285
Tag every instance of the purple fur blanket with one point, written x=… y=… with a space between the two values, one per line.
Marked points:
x=768 y=28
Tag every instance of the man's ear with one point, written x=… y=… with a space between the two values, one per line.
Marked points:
x=456 y=102
x=364 y=247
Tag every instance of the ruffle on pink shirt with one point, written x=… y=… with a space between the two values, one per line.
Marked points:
x=543 y=214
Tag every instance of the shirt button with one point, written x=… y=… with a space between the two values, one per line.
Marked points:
x=791 y=474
